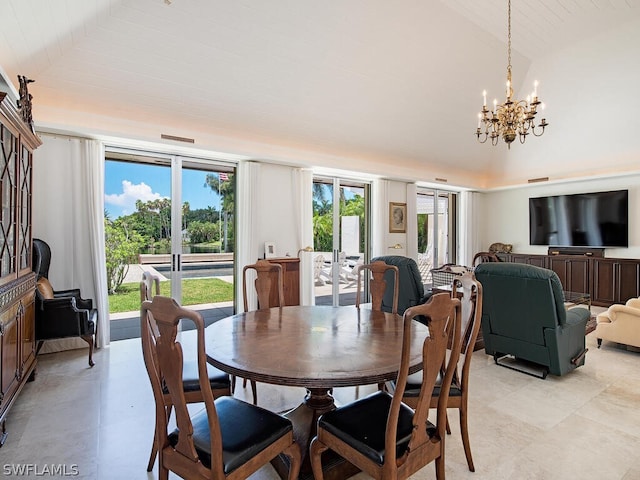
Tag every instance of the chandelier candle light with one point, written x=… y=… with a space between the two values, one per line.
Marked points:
x=513 y=117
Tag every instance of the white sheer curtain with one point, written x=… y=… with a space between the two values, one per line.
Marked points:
x=68 y=214
x=379 y=217
x=412 y=221
x=247 y=194
x=302 y=182
x=469 y=234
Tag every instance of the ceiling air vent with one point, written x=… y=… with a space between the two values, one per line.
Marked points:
x=177 y=139
x=540 y=179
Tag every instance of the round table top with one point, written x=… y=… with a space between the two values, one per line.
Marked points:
x=313 y=346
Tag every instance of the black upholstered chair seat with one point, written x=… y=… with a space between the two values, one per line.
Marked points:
x=217 y=378
x=414 y=383
x=381 y=434
x=61 y=317
x=362 y=424
x=246 y=430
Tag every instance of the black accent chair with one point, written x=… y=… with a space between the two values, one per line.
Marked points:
x=410 y=288
x=60 y=313
x=525 y=324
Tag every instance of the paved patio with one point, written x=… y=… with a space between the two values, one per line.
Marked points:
x=127 y=324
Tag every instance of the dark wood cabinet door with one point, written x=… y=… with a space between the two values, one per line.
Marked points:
x=573 y=272
x=536 y=260
x=615 y=281
x=578 y=275
x=9 y=354
x=559 y=265
x=604 y=282
x=627 y=280
x=28 y=339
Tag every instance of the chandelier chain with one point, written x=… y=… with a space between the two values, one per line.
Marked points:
x=509 y=36
x=513 y=118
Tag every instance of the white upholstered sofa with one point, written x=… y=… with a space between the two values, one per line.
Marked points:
x=620 y=323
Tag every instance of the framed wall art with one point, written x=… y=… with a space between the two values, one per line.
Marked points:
x=397 y=217
x=269 y=250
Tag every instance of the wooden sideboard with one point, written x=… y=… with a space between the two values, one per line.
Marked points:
x=607 y=280
x=17 y=281
x=290 y=278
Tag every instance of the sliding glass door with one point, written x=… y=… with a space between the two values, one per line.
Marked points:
x=171 y=216
x=205 y=246
x=341 y=238
x=436 y=230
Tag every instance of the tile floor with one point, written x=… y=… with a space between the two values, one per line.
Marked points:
x=585 y=425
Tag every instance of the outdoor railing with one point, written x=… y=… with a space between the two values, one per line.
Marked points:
x=152 y=258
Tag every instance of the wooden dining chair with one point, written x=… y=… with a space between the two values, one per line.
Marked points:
x=219 y=381
x=380 y=434
x=377 y=287
x=377 y=284
x=471 y=314
x=482 y=257
x=267 y=297
x=264 y=271
x=229 y=438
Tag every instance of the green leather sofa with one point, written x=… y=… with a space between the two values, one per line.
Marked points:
x=524 y=316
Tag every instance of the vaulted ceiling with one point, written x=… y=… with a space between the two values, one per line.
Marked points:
x=354 y=84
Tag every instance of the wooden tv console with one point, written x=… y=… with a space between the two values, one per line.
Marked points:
x=607 y=280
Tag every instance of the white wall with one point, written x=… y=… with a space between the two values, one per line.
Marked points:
x=591 y=94
x=397 y=192
x=504 y=215
x=275 y=213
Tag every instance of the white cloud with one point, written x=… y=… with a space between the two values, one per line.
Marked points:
x=130 y=194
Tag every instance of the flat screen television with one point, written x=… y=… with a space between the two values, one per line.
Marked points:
x=598 y=219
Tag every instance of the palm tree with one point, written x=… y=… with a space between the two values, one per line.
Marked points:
x=223 y=184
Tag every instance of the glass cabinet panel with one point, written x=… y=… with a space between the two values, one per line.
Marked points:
x=24 y=220
x=8 y=143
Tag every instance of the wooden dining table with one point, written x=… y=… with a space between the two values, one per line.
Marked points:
x=316 y=347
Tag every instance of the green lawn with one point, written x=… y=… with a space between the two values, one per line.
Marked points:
x=194 y=291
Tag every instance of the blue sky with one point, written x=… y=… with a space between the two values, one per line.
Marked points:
x=126 y=182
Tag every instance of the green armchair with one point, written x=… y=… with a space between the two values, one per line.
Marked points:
x=524 y=316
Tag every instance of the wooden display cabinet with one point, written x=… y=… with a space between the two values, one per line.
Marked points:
x=17 y=281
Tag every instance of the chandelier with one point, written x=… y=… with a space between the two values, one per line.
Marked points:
x=513 y=117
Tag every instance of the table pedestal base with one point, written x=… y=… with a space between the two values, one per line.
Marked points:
x=305 y=426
